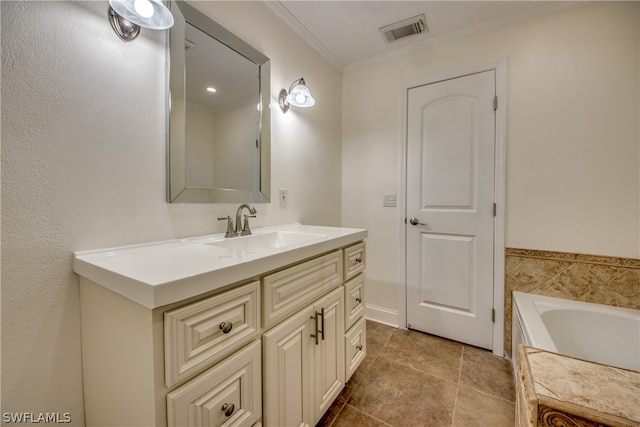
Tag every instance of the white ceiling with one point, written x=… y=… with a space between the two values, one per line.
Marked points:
x=346 y=32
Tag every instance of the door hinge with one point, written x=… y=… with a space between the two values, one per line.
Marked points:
x=495 y=209
x=493 y=314
x=495 y=103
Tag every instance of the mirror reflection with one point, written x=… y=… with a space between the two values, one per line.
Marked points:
x=219 y=141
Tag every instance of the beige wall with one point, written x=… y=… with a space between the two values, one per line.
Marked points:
x=572 y=172
x=83 y=166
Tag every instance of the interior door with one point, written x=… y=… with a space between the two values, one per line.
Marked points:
x=450 y=208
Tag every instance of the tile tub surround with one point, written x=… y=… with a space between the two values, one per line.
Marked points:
x=409 y=378
x=558 y=390
x=588 y=278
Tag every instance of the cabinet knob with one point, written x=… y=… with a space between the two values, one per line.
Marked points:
x=226 y=327
x=359 y=347
x=228 y=409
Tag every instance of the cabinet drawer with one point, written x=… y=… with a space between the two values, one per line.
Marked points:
x=355 y=346
x=353 y=300
x=202 y=333
x=289 y=290
x=354 y=260
x=229 y=394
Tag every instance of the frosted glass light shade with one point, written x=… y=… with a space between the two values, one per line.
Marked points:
x=300 y=96
x=145 y=13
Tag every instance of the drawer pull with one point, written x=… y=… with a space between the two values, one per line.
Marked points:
x=322 y=323
x=356 y=261
x=319 y=333
x=359 y=347
x=228 y=409
x=315 y=320
x=226 y=327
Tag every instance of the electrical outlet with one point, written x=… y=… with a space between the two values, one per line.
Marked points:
x=284 y=197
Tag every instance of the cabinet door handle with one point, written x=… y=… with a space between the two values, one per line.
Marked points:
x=226 y=327
x=359 y=347
x=319 y=333
x=228 y=409
x=358 y=300
x=316 y=335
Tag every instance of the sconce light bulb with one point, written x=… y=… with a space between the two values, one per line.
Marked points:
x=144 y=8
x=300 y=98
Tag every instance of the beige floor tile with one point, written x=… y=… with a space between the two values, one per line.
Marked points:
x=482 y=371
x=476 y=409
x=426 y=353
x=401 y=396
x=414 y=379
x=351 y=417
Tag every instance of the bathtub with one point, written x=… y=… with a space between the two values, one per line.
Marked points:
x=594 y=332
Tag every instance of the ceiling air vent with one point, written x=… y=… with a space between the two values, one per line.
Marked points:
x=405 y=28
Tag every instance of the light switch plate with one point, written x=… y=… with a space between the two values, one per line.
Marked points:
x=389 y=200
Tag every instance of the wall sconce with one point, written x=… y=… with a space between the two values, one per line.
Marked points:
x=127 y=16
x=298 y=96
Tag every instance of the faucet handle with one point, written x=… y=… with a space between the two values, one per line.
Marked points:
x=230 y=231
x=246 y=230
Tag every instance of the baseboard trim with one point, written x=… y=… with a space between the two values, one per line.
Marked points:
x=382 y=315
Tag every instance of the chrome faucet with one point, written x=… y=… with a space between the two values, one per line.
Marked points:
x=245 y=230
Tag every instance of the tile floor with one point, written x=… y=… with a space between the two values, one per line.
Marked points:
x=413 y=379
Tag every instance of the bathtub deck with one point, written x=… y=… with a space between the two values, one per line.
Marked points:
x=552 y=386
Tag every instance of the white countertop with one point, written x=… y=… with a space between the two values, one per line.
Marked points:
x=156 y=274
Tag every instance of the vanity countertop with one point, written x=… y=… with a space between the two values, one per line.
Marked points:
x=156 y=274
x=578 y=392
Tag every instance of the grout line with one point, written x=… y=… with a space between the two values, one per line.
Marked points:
x=493 y=396
x=369 y=415
x=455 y=400
x=335 y=417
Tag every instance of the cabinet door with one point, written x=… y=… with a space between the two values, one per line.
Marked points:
x=328 y=354
x=354 y=300
x=228 y=394
x=355 y=346
x=287 y=372
x=354 y=260
x=195 y=336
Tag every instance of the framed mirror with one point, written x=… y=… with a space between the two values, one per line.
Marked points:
x=219 y=145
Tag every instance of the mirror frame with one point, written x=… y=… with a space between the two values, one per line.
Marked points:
x=177 y=189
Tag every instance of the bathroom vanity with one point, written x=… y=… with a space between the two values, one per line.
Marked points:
x=253 y=330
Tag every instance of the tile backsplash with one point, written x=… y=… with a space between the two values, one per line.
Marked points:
x=589 y=278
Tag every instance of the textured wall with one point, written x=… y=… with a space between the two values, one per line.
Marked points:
x=83 y=167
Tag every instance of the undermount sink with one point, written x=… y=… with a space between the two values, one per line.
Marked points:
x=266 y=241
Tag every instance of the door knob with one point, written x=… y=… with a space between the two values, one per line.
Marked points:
x=415 y=221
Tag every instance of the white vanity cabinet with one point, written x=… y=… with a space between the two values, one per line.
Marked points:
x=304 y=363
x=270 y=341
x=309 y=357
x=174 y=365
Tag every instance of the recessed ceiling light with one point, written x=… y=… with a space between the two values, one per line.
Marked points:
x=212 y=89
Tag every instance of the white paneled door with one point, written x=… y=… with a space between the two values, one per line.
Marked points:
x=450 y=208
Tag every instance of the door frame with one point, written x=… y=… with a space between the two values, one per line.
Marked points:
x=500 y=68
